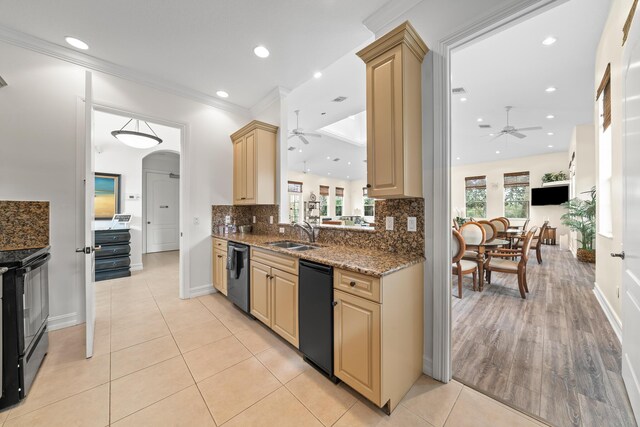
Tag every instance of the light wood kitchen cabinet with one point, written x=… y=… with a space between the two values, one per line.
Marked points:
x=378 y=336
x=394 y=113
x=274 y=292
x=219 y=263
x=254 y=164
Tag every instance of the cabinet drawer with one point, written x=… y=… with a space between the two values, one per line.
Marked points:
x=112 y=237
x=219 y=244
x=357 y=284
x=113 y=250
x=112 y=263
x=275 y=260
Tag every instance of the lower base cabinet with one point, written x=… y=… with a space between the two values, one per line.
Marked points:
x=219 y=263
x=378 y=333
x=274 y=293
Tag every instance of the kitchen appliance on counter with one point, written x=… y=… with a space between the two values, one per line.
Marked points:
x=25 y=311
x=315 y=318
x=238 y=275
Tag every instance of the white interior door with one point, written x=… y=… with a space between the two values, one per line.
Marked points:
x=163 y=206
x=631 y=233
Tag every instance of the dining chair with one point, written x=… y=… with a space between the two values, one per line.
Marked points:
x=536 y=244
x=506 y=221
x=472 y=231
x=525 y=225
x=459 y=266
x=490 y=230
x=502 y=261
x=456 y=226
x=500 y=225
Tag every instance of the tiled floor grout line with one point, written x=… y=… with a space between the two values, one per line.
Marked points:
x=455 y=402
x=250 y=406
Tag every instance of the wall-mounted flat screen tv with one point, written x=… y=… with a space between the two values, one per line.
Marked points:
x=549 y=195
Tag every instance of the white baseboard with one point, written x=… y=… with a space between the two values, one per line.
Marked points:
x=136 y=267
x=427 y=365
x=616 y=324
x=201 y=290
x=63 y=321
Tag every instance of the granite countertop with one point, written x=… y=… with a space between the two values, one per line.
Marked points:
x=371 y=262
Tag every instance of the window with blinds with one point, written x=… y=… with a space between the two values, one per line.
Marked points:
x=324 y=200
x=339 y=201
x=294 y=187
x=516 y=195
x=627 y=24
x=476 y=196
x=604 y=90
x=324 y=190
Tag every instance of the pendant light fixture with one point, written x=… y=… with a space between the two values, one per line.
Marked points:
x=135 y=138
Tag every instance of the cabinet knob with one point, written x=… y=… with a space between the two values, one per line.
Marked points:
x=368 y=185
x=352 y=284
x=334 y=303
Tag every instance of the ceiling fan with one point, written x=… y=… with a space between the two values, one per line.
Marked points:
x=511 y=130
x=298 y=131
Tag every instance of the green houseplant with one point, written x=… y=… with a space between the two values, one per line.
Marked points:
x=554 y=177
x=581 y=217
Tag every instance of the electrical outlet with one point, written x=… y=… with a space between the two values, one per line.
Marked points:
x=412 y=223
x=227 y=219
x=281 y=230
x=254 y=219
x=271 y=219
x=389 y=223
x=196 y=220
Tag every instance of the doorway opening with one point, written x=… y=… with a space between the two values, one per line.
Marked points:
x=526 y=326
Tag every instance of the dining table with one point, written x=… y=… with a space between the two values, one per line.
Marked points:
x=481 y=249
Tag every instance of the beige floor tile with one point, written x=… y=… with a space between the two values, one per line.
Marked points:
x=183 y=409
x=142 y=355
x=283 y=362
x=212 y=358
x=89 y=408
x=477 y=410
x=431 y=399
x=133 y=308
x=64 y=381
x=196 y=336
x=364 y=414
x=193 y=316
x=138 y=334
x=173 y=303
x=235 y=389
x=3 y=415
x=143 y=388
x=216 y=303
x=136 y=319
x=327 y=401
x=258 y=338
x=280 y=409
x=130 y=293
x=235 y=320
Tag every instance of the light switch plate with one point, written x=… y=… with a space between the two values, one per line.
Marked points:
x=227 y=219
x=196 y=220
x=389 y=222
x=281 y=230
x=254 y=219
x=412 y=223
x=271 y=219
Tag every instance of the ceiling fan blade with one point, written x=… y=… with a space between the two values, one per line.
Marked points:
x=292 y=136
x=315 y=135
x=518 y=135
x=497 y=136
x=529 y=128
x=303 y=139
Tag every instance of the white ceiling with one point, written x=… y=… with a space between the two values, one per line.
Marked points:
x=205 y=45
x=514 y=68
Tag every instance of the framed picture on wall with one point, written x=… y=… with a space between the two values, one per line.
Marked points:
x=107 y=195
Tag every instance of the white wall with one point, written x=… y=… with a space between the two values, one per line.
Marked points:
x=38 y=159
x=584 y=169
x=535 y=165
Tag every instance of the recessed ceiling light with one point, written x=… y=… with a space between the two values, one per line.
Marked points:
x=550 y=146
x=550 y=116
x=348 y=163
x=300 y=150
x=498 y=152
x=550 y=133
x=77 y=43
x=328 y=173
x=308 y=170
x=491 y=134
x=317 y=74
x=261 y=51
x=328 y=157
x=549 y=41
x=347 y=176
x=550 y=89
x=463 y=99
x=479 y=119
x=457 y=158
x=222 y=94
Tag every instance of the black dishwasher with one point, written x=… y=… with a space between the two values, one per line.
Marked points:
x=315 y=301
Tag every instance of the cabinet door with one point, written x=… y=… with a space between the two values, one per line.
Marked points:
x=284 y=294
x=357 y=344
x=260 y=292
x=220 y=270
x=239 y=174
x=250 y=168
x=385 y=156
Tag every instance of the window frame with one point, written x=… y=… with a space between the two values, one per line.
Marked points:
x=339 y=202
x=468 y=187
x=526 y=203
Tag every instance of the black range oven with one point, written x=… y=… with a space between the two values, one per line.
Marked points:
x=25 y=310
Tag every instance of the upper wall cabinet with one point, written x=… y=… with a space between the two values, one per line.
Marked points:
x=254 y=164
x=394 y=113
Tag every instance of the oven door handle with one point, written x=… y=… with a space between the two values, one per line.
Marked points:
x=35 y=265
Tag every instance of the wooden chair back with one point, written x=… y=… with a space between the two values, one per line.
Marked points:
x=506 y=221
x=489 y=230
x=472 y=231
x=543 y=230
x=455 y=225
x=526 y=245
x=457 y=247
x=499 y=224
x=524 y=226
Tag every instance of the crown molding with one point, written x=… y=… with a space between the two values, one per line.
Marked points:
x=26 y=41
x=390 y=11
x=275 y=94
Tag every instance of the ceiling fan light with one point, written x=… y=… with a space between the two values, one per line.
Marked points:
x=549 y=41
x=317 y=74
x=261 y=51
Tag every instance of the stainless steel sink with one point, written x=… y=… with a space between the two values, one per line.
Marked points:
x=294 y=246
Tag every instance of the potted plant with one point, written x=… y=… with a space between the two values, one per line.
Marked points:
x=581 y=217
x=554 y=177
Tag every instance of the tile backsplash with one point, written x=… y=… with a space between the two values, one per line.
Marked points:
x=23 y=225
x=399 y=240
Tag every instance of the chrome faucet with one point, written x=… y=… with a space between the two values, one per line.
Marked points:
x=309 y=230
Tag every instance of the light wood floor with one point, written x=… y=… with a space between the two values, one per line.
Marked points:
x=553 y=355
